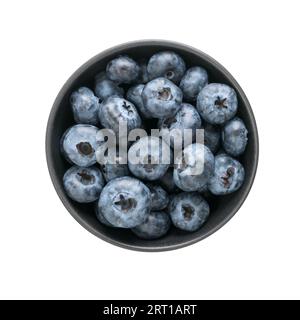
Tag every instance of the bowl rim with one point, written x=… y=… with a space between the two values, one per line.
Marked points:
x=114 y=50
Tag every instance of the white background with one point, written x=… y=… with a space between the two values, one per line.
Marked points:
x=45 y=253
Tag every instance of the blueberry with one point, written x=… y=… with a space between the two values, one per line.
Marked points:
x=101 y=217
x=159 y=196
x=105 y=88
x=115 y=110
x=85 y=106
x=79 y=144
x=113 y=166
x=134 y=95
x=234 y=137
x=203 y=189
x=112 y=171
x=167 y=181
x=156 y=225
x=194 y=167
x=143 y=77
x=217 y=103
x=123 y=70
x=153 y=158
x=186 y=118
x=125 y=202
x=166 y=64
x=212 y=136
x=193 y=81
x=228 y=175
x=83 y=184
x=162 y=98
x=188 y=211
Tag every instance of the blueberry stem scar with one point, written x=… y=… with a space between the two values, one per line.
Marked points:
x=85 y=148
x=227 y=175
x=221 y=102
x=86 y=178
x=169 y=74
x=126 y=106
x=188 y=212
x=125 y=204
x=164 y=94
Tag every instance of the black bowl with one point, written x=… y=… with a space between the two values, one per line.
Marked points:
x=222 y=208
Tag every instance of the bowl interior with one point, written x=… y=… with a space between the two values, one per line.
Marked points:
x=222 y=208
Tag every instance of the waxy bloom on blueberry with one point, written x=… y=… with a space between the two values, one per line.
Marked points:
x=173 y=129
x=162 y=98
x=79 y=144
x=228 y=177
x=212 y=136
x=125 y=202
x=105 y=88
x=134 y=95
x=115 y=110
x=159 y=196
x=194 y=167
x=149 y=158
x=166 y=64
x=188 y=211
x=85 y=106
x=217 y=103
x=157 y=224
x=193 y=81
x=234 y=137
x=101 y=217
x=83 y=184
x=112 y=166
x=123 y=70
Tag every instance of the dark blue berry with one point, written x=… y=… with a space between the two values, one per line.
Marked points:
x=188 y=211
x=166 y=64
x=157 y=224
x=193 y=82
x=228 y=176
x=125 y=202
x=85 y=106
x=234 y=137
x=217 y=103
x=123 y=70
x=162 y=98
x=83 y=184
x=79 y=144
x=194 y=167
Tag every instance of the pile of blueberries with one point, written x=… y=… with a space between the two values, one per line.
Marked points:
x=159 y=93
